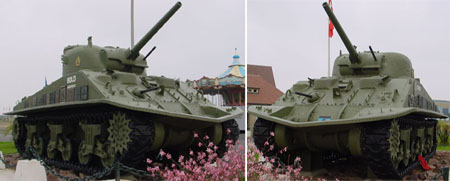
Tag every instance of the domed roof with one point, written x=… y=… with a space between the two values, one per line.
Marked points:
x=236 y=68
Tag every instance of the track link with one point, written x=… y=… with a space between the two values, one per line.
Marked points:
x=141 y=137
x=233 y=127
x=261 y=134
x=375 y=147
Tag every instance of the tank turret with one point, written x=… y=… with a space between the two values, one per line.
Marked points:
x=98 y=58
x=367 y=63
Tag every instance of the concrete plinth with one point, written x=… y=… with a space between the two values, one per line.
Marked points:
x=29 y=170
x=6 y=174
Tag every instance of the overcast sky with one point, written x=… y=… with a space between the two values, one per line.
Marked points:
x=291 y=36
x=198 y=41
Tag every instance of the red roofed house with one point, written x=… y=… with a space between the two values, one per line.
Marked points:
x=261 y=88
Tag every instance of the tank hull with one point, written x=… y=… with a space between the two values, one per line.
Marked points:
x=83 y=120
x=88 y=87
x=366 y=115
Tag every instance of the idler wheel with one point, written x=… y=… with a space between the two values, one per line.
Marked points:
x=394 y=144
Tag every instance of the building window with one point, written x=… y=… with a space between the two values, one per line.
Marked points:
x=445 y=111
x=252 y=90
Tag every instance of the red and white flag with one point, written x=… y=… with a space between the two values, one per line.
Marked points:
x=330 y=24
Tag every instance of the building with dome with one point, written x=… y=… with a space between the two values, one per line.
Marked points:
x=228 y=88
x=443 y=107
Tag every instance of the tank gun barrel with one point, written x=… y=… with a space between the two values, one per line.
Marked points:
x=352 y=51
x=135 y=50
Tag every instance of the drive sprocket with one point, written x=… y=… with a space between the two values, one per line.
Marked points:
x=119 y=132
x=394 y=142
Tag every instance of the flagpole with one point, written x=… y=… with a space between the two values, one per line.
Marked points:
x=328 y=56
x=132 y=23
x=330 y=34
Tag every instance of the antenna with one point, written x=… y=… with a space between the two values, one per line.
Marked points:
x=373 y=54
x=150 y=52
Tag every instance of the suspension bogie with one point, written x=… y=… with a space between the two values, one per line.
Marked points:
x=385 y=144
x=87 y=140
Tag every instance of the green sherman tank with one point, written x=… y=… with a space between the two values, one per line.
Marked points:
x=105 y=108
x=372 y=107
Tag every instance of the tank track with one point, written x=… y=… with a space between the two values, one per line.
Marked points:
x=375 y=147
x=141 y=136
x=222 y=148
x=330 y=157
x=233 y=135
x=261 y=134
x=20 y=141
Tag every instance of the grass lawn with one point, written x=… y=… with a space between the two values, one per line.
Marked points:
x=443 y=148
x=7 y=147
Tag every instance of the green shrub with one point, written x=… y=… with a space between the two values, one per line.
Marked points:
x=8 y=129
x=443 y=132
x=8 y=147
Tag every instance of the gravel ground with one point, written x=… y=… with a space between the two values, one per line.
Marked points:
x=356 y=169
x=345 y=170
